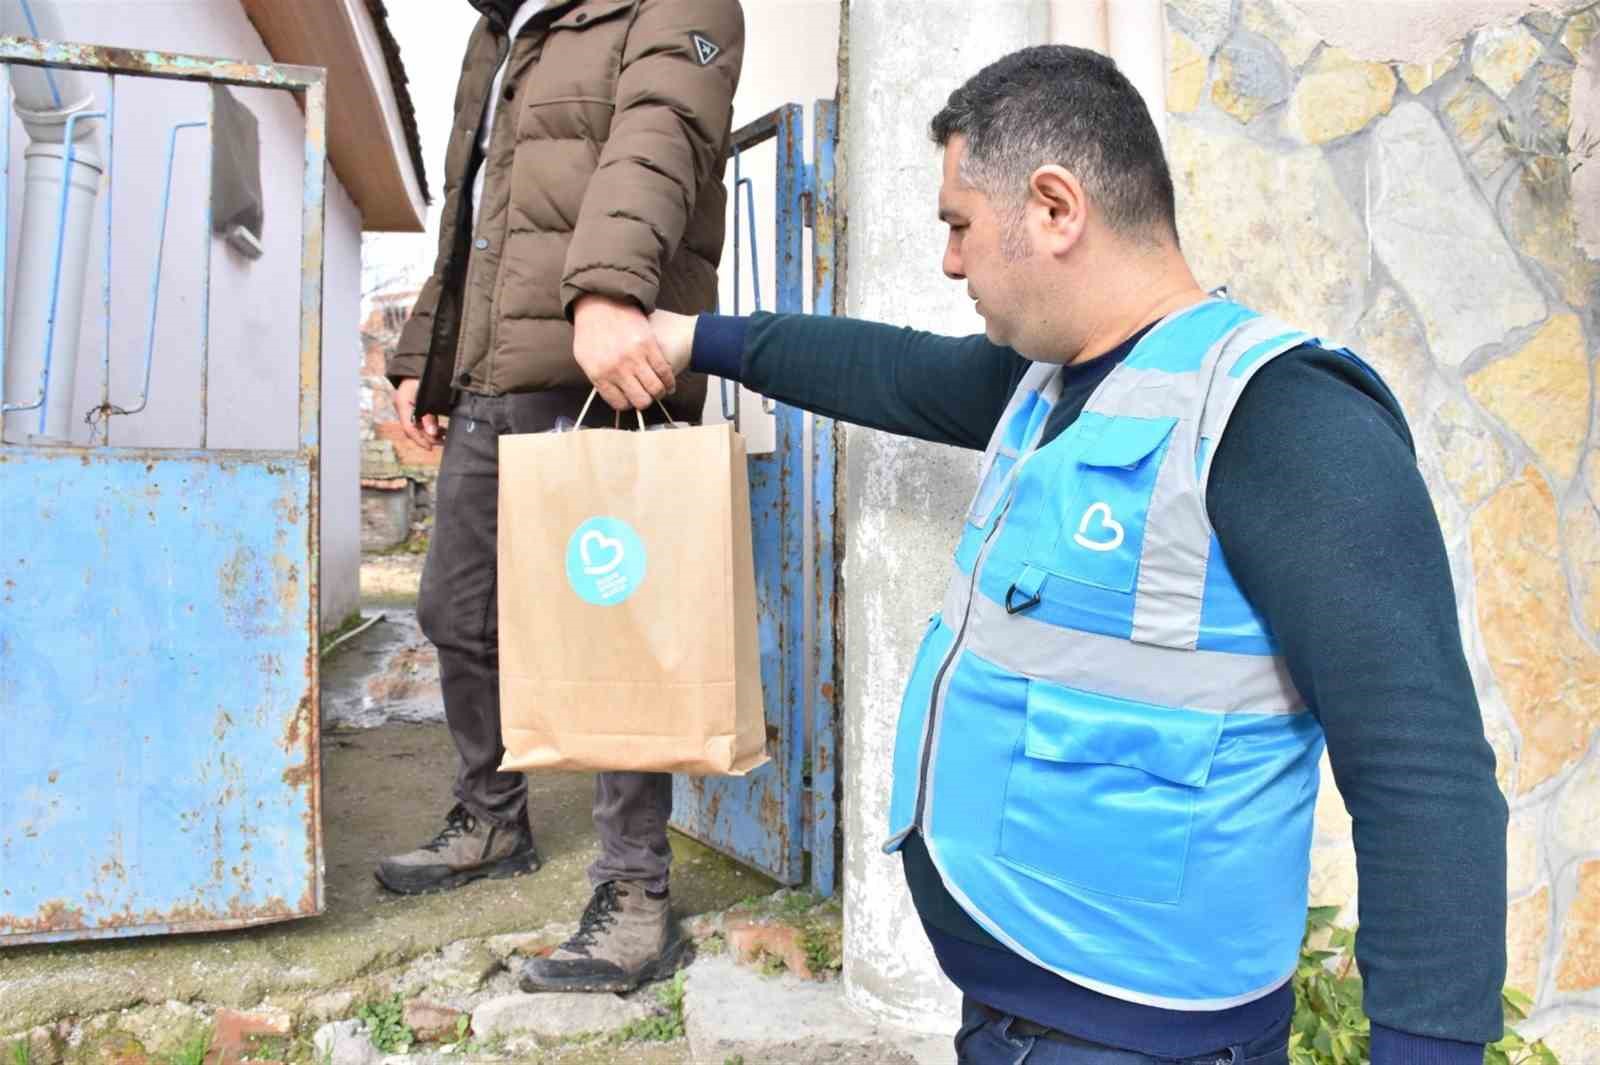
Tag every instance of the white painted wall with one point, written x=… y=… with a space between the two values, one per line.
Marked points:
x=254 y=305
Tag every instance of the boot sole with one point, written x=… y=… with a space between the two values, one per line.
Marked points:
x=402 y=881
x=660 y=967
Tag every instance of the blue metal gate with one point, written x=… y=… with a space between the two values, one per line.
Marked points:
x=783 y=818
x=158 y=635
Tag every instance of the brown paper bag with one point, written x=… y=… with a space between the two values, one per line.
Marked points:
x=627 y=603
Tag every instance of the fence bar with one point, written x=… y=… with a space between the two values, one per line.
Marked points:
x=5 y=247
x=313 y=218
x=730 y=411
x=155 y=281
x=29 y=52
x=205 y=271
x=826 y=694
x=105 y=296
x=311 y=264
x=790 y=607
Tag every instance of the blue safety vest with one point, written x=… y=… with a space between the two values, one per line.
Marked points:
x=1100 y=741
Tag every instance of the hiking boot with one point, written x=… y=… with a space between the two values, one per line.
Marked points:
x=625 y=938
x=466 y=849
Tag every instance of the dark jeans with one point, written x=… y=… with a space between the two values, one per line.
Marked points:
x=458 y=612
x=989 y=1037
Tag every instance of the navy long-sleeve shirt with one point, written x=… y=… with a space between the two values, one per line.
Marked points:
x=1318 y=504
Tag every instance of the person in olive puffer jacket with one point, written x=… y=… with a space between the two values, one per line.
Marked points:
x=583 y=191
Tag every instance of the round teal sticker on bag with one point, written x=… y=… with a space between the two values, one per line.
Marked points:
x=605 y=561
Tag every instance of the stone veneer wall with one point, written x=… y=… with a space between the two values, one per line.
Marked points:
x=1422 y=212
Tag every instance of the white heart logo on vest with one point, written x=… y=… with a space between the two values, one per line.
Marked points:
x=613 y=553
x=1111 y=525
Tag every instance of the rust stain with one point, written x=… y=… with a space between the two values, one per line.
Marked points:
x=771 y=814
x=299 y=723
x=287 y=510
x=57 y=915
x=827 y=690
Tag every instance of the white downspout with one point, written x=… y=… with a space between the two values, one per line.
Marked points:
x=1132 y=32
x=1136 y=34
x=1080 y=23
x=53 y=253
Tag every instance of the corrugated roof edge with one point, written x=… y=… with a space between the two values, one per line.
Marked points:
x=402 y=92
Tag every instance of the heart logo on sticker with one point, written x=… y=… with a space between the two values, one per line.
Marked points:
x=606 y=561
x=595 y=546
x=1107 y=540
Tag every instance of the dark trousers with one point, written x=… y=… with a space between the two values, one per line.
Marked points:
x=457 y=609
x=990 y=1037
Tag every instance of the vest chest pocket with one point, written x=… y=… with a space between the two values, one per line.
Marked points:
x=1102 y=792
x=1093 y=530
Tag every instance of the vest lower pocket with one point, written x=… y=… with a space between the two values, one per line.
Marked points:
x=1101 y=791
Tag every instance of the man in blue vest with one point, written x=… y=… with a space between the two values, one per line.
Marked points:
x=1200 y=551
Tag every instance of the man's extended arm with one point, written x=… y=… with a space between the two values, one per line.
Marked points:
x=951 y=390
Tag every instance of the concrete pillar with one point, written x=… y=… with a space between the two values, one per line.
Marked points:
x=904 y=499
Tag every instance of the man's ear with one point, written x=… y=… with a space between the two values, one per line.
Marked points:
x=1058 y=207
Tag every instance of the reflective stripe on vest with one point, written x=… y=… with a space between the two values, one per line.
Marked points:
x=1103 y=750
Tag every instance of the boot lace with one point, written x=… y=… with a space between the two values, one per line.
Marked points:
x=598 y=916
x=458 y=822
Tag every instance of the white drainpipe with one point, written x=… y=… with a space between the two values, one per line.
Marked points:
x=53 y=253
x=1133 y=32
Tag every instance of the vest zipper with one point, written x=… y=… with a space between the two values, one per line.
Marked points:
x=935 y=697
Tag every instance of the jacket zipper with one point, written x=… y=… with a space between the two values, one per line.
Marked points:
x=500 y=265
x=458 y=270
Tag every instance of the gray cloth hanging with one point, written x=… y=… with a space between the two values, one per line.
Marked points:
x=236 y=166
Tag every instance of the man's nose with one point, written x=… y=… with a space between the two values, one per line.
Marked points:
x=952 y=264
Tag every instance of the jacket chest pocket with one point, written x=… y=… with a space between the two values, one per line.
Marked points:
x=1103 y=792
x=1092 y=530
x=580 y=58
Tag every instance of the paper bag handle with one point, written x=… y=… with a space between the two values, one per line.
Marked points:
x=593 y=392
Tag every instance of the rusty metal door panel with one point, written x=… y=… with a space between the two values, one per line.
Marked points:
x=159 y=628
x=158 y=752
x=781 y=818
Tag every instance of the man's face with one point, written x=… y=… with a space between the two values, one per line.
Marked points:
x=975 y=254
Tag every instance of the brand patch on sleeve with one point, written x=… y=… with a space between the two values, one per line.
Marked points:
x=705 y=50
